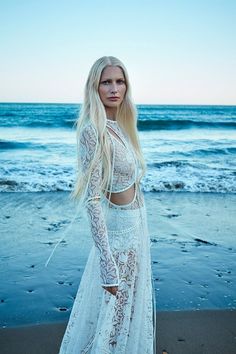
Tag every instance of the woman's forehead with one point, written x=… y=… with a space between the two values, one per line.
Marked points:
x=111 y=71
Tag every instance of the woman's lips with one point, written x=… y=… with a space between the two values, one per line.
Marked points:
x=113 y=98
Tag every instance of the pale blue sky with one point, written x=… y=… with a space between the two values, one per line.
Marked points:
x=176 y=51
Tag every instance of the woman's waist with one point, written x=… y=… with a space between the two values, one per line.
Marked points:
x=131 y=198
x=124 y=216
x=121 y=184
x=122 y=197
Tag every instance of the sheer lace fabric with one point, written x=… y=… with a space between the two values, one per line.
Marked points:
x=125 y=168
x=101 y=322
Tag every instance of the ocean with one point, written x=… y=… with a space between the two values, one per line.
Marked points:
x=186 y=148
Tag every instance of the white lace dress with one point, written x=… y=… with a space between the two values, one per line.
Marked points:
x=101 y=323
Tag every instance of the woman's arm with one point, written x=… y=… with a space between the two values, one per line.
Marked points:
x=108 y=268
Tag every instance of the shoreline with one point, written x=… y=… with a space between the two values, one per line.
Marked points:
x=193 y=252
x=178 y=332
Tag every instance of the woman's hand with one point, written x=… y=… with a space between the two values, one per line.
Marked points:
x=111 y=289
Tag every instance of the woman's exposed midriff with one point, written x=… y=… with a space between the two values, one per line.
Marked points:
x=124 y=197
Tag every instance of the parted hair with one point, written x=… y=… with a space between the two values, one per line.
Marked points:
x=93 y=112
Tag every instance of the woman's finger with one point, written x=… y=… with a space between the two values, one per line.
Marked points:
x=111 y=289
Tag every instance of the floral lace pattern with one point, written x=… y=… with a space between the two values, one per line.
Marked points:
x=124 y=173
x=109 y=271
x=101 y=323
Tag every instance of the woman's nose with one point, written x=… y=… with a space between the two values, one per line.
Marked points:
x=114 y=88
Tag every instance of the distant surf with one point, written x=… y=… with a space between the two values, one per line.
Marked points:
x=186 y=148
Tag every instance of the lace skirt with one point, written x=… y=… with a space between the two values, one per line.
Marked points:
x=101 y=323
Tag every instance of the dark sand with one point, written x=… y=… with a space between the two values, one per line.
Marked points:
x=179 y=332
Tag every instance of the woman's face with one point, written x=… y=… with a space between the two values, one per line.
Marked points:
x=112 y=89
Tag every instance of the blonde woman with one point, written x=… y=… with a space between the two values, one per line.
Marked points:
x=114 y=309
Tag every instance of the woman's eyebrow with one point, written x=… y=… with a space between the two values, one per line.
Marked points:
x=109 y=79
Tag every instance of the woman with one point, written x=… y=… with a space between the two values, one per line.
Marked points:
x=113 y=311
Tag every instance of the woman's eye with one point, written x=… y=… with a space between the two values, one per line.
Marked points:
x=106 y=82
x=121 y=81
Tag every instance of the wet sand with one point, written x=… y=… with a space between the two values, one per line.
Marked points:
x=193 y=250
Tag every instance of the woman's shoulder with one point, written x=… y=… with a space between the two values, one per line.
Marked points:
x=88 y=131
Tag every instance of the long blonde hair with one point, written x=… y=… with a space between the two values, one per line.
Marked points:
x=93 y=112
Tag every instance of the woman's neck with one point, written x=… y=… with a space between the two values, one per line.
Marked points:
x=111 y=113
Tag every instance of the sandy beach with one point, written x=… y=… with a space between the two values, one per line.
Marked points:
x=178 y=332
x=193 y=259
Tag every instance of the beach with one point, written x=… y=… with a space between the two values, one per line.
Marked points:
x=193 y=260
x=190 y=194
x=179 y=332
x=72 y=116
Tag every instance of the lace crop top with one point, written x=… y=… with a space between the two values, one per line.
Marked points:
x=124 y=167
x=123 y=175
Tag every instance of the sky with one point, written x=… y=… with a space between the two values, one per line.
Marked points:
x=176 y=51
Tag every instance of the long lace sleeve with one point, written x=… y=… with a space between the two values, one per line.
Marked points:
x=108 y=268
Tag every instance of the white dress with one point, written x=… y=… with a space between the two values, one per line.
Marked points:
x=101 y=323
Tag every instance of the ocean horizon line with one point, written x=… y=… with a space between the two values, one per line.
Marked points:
x=137 y=104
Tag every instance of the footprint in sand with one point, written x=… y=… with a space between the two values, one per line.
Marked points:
x=55 y=226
